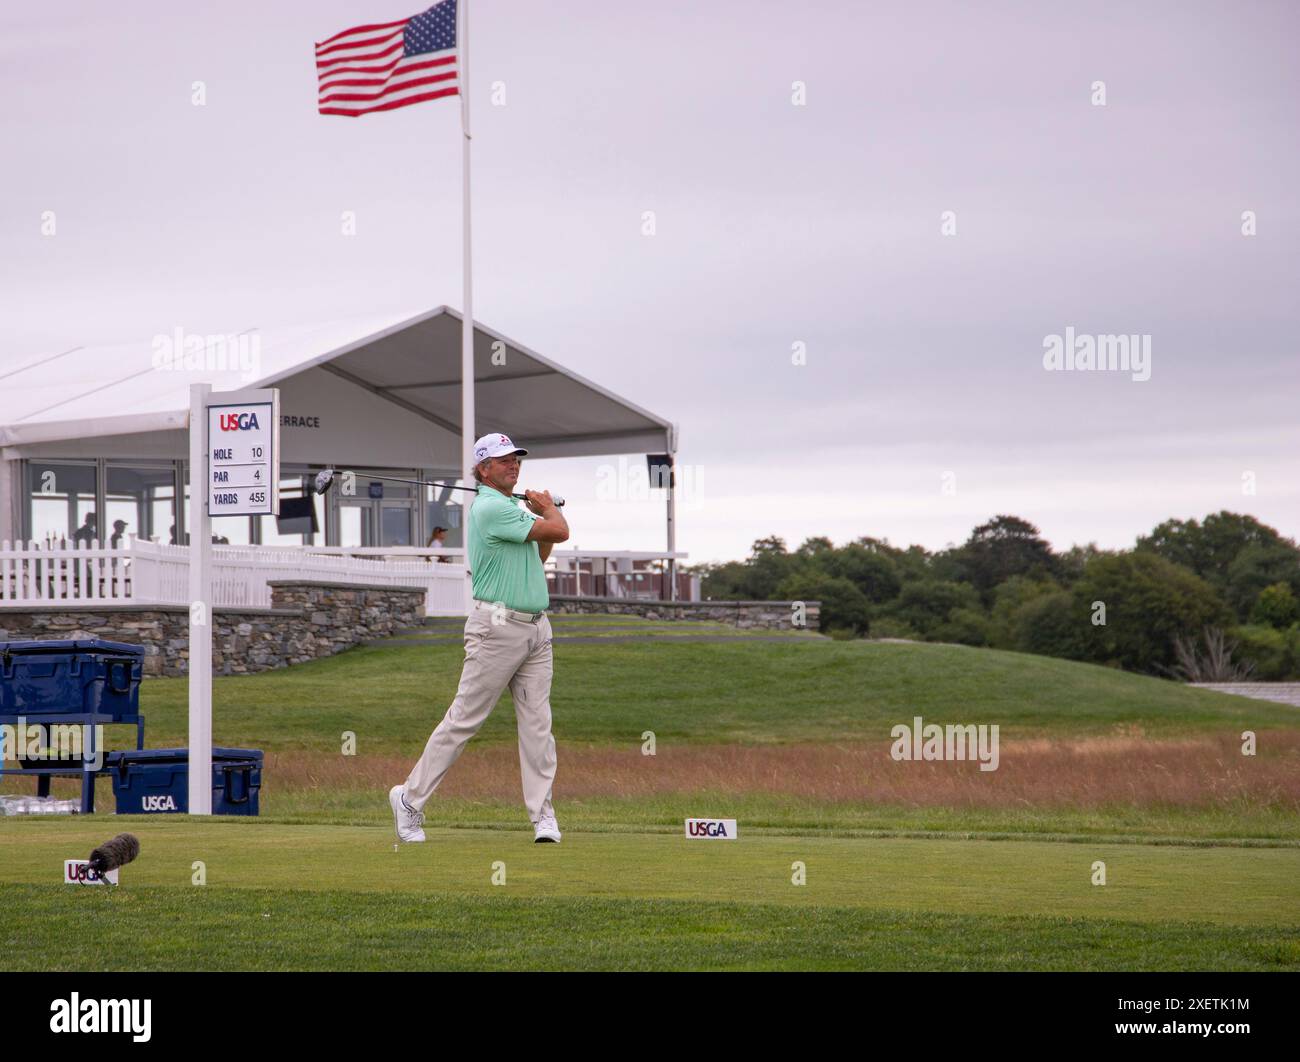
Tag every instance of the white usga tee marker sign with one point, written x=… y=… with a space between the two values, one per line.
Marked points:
x=711 y=829
x=78 y=872
x=244 y=453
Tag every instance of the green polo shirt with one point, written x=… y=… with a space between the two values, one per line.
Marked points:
x=505 y=566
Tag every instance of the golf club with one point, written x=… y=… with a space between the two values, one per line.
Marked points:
x=326 y=477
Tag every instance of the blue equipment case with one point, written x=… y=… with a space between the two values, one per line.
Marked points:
x=81 y=682
x=156 y=781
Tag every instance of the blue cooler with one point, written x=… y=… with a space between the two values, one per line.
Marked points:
x=88 y=677
x=86 y=682
x=157 y=781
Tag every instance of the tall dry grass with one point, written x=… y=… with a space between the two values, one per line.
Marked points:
x=1132 y=770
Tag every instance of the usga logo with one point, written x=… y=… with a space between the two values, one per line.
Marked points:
x=159 y=803
x=78 y=872
x=238 y=421
x=711 y=829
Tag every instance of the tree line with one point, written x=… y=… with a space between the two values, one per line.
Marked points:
x=1213 y=600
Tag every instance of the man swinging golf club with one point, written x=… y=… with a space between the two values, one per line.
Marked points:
x=507 y=641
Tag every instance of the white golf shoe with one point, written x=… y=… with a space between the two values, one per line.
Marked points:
x=406 y=818
x=547 y=830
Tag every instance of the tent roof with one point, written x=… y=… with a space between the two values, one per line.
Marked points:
x=410 y=362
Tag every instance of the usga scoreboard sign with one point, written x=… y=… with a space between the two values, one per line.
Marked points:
x=244 y=453
x=711 y=829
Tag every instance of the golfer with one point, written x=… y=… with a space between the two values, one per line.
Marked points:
x=507 y=641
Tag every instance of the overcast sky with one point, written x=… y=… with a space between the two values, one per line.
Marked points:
x=924 y=406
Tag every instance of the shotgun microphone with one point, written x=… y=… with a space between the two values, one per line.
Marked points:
x=115 y=853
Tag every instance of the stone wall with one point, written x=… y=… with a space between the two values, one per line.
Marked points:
x=754 y=615
x=306 y=620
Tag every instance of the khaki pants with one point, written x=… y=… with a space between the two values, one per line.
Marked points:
x=511 y=652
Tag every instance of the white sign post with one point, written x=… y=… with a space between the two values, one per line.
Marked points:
x=234 y=471
x=200 y=668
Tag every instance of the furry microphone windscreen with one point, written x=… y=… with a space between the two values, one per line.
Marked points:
x=115 y=853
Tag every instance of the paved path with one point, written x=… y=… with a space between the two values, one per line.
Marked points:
x=1282 y=692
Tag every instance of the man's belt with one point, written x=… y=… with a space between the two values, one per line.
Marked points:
x=524 y=617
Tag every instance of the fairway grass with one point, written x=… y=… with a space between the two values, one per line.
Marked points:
x=332 y=897
x=172 y=928
x=1235 y=823
x=1246 y=826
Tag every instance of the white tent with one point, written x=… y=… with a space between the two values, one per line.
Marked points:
x=368 y=382
x=367 y=392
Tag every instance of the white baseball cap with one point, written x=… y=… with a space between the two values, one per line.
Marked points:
x=495 y=445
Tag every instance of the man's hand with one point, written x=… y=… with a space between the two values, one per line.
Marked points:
x=538 y=501
x=552 y=527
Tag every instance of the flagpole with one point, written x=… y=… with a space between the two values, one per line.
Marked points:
x=467 y=324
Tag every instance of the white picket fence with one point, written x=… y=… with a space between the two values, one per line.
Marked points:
x=150 y=573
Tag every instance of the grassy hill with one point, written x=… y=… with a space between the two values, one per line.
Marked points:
x=805 y=690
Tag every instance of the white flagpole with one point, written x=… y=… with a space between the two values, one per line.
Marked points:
x=467 y=326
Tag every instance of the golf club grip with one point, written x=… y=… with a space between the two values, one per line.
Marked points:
x=557 y=498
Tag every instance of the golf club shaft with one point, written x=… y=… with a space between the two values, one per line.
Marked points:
x=450 y=486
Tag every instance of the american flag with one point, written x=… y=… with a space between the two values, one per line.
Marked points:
x=390 y=65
